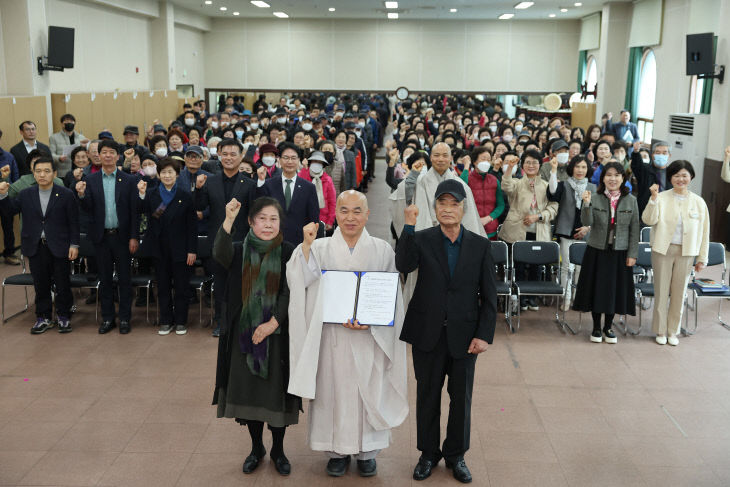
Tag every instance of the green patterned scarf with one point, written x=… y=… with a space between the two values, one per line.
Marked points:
x=259 y=290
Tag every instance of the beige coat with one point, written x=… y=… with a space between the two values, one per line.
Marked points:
x=663 y=215
x=725 y=174
x=520 y=197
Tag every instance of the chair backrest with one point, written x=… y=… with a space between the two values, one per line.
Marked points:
x=644 y=258
x=321 y=230
x=716 y=255
x=86 y=247
x=535 y=252
x=204 y=250
x=498 y=249
x=645 y=234
x=576 y=252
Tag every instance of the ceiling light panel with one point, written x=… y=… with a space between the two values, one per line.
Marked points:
x=524 y=5
x=281 y=15
x=260 y=4
x=506 y=16
x=391 y=4
x=393 y=15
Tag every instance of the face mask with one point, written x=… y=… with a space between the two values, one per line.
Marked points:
x=239 y=134
x=504 y=169
x=557 y=126
x=358 y=132
x=484 y=166
x=268 y=161
x=189 y=122
x=281 y=120
x=68 y=127
x=646 y=160
x=422 y=142
x=562 y=157
x=522 y=119
x=161 y=152
x=214 y=125
x=246 y=145
x=224 y=124
x=316 y=168
x=507 y=138
x=493 y=128
x=307 y=126
x=213 y=151
x=254 y=126
x=661 y=160
x=485 y=137
x=361 y=124
x=149 y=171
x=518 y=128
x=435 y=125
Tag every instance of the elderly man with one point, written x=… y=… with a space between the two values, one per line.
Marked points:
x=625 y=129
x=450 y=319
x=355 y=376
x=67 y=136
x=649 y=174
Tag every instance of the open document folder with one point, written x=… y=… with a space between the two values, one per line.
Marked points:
x=369 y=297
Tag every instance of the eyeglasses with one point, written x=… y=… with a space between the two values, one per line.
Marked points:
x=291 y=158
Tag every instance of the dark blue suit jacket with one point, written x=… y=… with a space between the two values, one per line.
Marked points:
x=175 y=232
x=304 y=207
x=185 y=182
x=61 y=221
x=125 y=189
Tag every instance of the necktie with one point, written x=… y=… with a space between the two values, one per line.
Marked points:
x=287 y=193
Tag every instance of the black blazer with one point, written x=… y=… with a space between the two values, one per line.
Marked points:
x=176 y=231
x=467 y=302
x=646 y=175
x=61 y=221
x=212 y=195
x=304 y=207
x=20 y=154
x=125 y=191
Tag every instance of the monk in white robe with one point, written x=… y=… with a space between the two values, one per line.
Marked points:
x=354 y=376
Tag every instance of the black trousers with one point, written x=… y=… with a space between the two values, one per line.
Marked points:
x=47 y=270
x=113 y=253
x=173 y=275
x=6 y=220
x=431 y=369
x=528 y=272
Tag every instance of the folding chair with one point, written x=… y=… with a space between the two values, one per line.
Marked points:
x=643 y=289
x=320 y=230
x=543 y=254
x=576 y=252
x=500 y=257
x=144 y=281
x=198 y=282
x=24 y=279
x=716 y=256
x=645 y=234
x=86 y=280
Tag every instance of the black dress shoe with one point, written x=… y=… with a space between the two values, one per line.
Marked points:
x=124 y=327
x=423 y=468
x=367 y=468
x=337 y=467
x=106 y=327
x=460 y=470
x=252 y=461
x=282 y=465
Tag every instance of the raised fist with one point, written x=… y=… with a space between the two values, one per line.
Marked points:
x=142 y=187
x=129 y=153
x=654 y=188
x=411 y=214
x=637 y=146
x=4 y=187
x=81 y=188
x=261 y=172
x=310 y=233
x=78 y=173
x=554 y=164
x=232 y=209
x=587 y=197
x=200 y=181
x=727 y=152
x=4 y=171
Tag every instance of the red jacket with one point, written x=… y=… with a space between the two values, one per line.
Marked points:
x=326 y=214
x=485 y=196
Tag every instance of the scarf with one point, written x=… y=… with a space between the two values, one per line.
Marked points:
x=579 y=187
x=259 y=290
x=533 y=203
x=340 y=155
x=613 y=197
x=317 y=180
x=166 y=196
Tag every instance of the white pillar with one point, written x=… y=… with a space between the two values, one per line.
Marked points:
x=162 y=50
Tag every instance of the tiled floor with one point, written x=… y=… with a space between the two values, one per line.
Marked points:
x=548 y=409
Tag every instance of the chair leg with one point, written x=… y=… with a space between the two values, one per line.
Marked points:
x=27 y=305
x=719 y=318
x=148 y=304
x=513 y=328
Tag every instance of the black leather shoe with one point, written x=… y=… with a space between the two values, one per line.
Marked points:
x=460 y=470
x=423 y=468
x=252 y=461
x=106 y=327
x=124 y=327
x=367 y=468
x=337 y=467
x=282 y=465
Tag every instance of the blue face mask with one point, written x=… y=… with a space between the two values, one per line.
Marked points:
x=239 y=133
x=661 y=160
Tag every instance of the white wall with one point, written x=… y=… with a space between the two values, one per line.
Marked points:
x=109 y=44
x=382 y=55
x=189 y=58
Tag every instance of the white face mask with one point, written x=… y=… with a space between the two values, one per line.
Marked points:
x=562 y=157
x=214 y=125
x=316 y=168
x=361 y=124
x=484 y=166
x=307 y=126
x=149 y=170
x=246 y=145
x=213 y=151
x=493 y=128
x=225 y=124
x=189 y=122
x=281 y=120
x=646 y=160
x=161 y=152
x=254 y=126
x=435 y=125
x=518 y=128
x=422 y=142
x=268 y=161
x=507 y=138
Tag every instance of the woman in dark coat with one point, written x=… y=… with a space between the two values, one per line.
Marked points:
x=253 y=352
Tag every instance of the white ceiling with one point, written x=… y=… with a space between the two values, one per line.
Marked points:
x=408 y=9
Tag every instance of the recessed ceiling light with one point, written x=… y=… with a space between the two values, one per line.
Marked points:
x=260 y=4
x=452 y=10
x=236 y=13
x=506 y=16
x=208 y=2
x=281 y=15
x=393 y=15
x=551 y=15
x=563 y=10
x=331 y=9
x=524 y=5
x=578 y=4
x=391 y=4
x=223 y=9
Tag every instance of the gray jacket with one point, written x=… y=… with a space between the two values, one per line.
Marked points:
x=598 y=214
x=565 y=196
x=58 y=141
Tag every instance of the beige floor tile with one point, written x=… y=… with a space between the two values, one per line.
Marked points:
x=694 y=401
x=181 y=411
x=225 y=436
x=145 y=469
x=220 y=470
x=519 y=418
x=516 y=474
x=679 y=477
x=605 y=474
x=713 y=451
x=704 y=425
x=650 y=421
x=139 y=387
x=624 y=399
x=560 y=374
x=31 y=435
x=164 y=437
x=511 y=447
x=57 y=409
x=97 y=436
x=15 y=464
x=70 y=468
x=11 y=407
x=120 y=409
x=588 y=448
x=562 y=397
x=658 y=451
x=574 y=420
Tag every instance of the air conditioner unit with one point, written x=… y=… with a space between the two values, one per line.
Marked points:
x=688 y=136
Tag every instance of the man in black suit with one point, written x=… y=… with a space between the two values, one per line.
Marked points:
x=297 y=196
x=450 y=319
x=20 y=150
x=109 y=197
x=213 y=193
x=50 y=239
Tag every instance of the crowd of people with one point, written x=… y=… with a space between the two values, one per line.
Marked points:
x=263 y=200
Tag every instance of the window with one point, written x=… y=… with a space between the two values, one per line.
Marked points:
x=591 y=77
x=647 y=96
x=696 y=88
